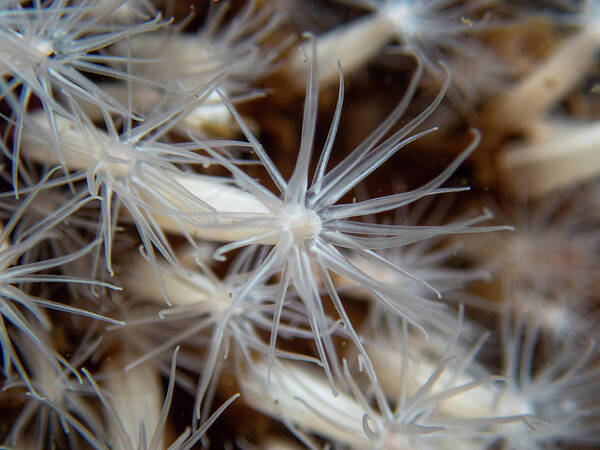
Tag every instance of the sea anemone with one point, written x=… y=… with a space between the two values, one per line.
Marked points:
x=306 y=225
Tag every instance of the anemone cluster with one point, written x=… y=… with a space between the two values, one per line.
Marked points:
x=365 y=224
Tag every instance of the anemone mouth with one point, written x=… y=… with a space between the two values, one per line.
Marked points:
x=44 y=47
x=402 y=16
x=304 y=224
x=513 y=403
